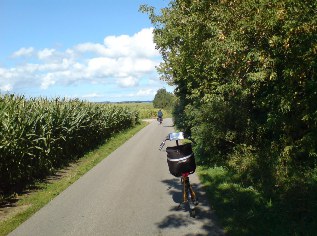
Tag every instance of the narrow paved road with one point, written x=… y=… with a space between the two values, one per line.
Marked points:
x=131 y=192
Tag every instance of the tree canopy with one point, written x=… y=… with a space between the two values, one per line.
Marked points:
x=245 y=79
x=163 y=99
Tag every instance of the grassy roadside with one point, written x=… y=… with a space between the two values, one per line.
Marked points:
x=239 y=209
x=35 y=197
x=242 y=210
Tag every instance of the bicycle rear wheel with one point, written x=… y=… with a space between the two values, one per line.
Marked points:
x=192 y=209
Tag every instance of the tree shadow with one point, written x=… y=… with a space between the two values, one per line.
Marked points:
x=168 y=126
x=245 y=211
x=8 y=202
x=9 y=198
x=238 y=208
x=176 y=218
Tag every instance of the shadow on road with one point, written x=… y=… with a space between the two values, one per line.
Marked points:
x=176 y=219
x=167 y=126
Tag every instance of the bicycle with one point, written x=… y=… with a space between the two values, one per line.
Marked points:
x=181 y=163
x=160 y=119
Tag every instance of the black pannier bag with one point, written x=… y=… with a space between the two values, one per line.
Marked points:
x=180 y=159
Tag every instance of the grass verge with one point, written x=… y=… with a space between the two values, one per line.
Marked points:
x=24 y=205
x=245 y=211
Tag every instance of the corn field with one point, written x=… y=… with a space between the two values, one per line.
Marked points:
x=40 y=135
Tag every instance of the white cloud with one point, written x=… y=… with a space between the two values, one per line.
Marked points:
x=6 y=87
x=47 y=81
x=118 y=46
x=46 y=53
x=23 y=52
x=146 y=92
x=127 y=82
x=143 y=43
x=139 y=94
x=3 y=73
x=144 y=65
x=139 y=45
x=120 y=67
x=96 y=48
x=101 y=66
x=92 y=95
x=120 y=61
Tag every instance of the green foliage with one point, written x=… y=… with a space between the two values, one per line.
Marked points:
x=39 y=135
x=145 y=110
x=244 y=210
x=42 y=192
x=246 y=86
x=163 y=99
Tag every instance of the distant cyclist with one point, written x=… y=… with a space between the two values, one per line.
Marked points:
x=160 y=116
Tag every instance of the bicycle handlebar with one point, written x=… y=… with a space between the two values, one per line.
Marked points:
x=173 y=136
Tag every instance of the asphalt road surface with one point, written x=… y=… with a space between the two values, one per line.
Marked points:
x=131 y=192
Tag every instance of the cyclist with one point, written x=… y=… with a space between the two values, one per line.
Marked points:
x=160 y=116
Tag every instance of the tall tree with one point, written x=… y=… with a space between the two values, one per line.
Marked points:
x=245 y=74
x=163 y=99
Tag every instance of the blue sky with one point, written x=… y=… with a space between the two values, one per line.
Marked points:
x=94 y=50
